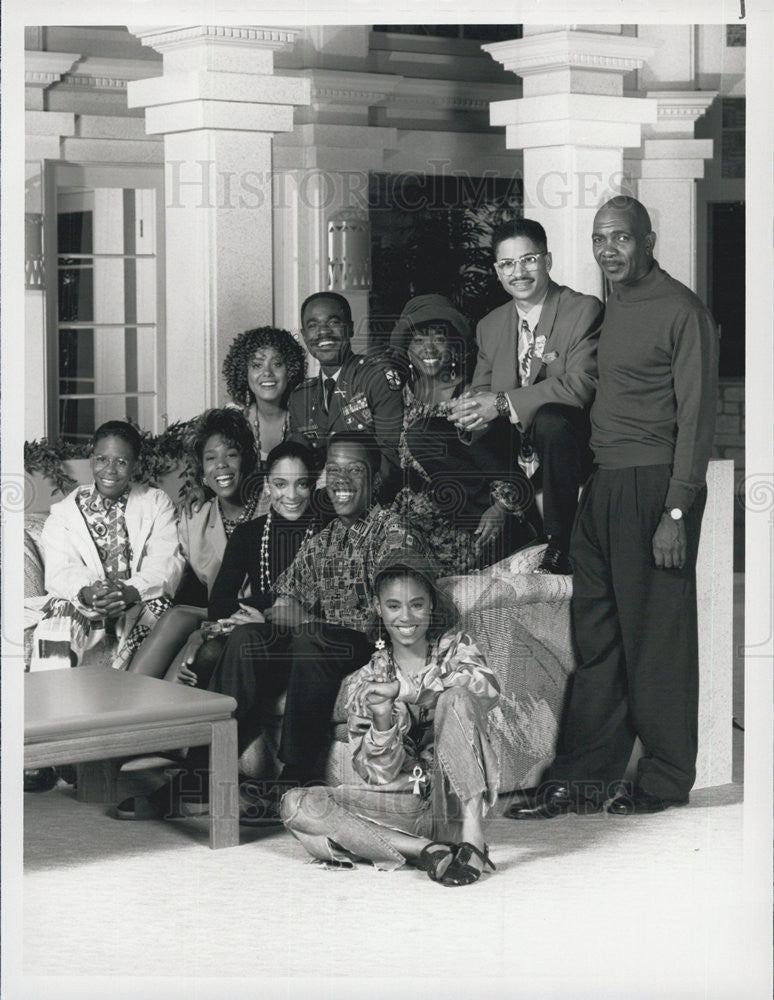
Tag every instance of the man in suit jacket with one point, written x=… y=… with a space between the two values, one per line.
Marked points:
x=353 y=392
x=537 y=369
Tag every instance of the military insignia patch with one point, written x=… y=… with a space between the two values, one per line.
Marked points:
x=393 y=378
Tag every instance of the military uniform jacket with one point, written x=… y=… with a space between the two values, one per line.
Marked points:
x=368 y=397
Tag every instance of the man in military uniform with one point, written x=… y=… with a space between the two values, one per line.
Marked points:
x=352 y=392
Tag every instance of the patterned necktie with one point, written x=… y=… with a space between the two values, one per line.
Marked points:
x=330 y=385
x=526 y=350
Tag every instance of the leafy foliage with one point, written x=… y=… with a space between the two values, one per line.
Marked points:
x=160 y=454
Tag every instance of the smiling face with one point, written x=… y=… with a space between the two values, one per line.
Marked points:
x=267 y=375
x=526 y=284
x=221 y=467
x=622 y=246
x=348 y=480
x=326 y=332
x=430 y=350
x=290 y=486
x=405 y=607
x=112 y=464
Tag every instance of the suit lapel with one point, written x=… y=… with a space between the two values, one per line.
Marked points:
x=85 y=543
x=543 y=329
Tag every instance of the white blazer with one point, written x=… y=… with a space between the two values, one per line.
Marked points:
x=72 y=560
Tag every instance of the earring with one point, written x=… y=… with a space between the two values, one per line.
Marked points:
x=453 y=369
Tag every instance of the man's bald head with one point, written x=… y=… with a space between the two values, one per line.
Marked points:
x=633 y=208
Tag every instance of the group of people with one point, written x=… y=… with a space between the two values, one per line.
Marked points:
x=329 y=506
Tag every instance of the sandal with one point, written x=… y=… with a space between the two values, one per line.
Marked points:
x=459 y=872
x=431 y=859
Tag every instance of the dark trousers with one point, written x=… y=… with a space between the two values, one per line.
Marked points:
x=261 y=661
x=637 y=643
x=560 y=437
x=461 y=475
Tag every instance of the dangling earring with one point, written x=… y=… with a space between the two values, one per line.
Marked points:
x=453 y=369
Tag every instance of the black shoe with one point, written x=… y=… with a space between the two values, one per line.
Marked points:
x=40 y=779
x=556 y=800
x=555 y=560
x=640 y=803
x=260 y=804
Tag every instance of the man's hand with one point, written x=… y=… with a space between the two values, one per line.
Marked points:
x=669 y=543
x=472 y=413
x=194 y=499
x=489 y=527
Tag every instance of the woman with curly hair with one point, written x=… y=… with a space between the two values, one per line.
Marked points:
x=261 y=369
x=223 y=453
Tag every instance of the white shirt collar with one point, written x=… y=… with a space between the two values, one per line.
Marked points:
x=532 y=315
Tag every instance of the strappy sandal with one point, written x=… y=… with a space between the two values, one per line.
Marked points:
x=460 y=872
x=434 y=861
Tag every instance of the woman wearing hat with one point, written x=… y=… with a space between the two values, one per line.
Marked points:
x=449 y=483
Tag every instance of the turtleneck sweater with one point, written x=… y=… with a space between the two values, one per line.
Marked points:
x=657 y=388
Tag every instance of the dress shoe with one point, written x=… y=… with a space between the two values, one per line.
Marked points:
x=554 y=801
x=555 y=560
x=640 y=803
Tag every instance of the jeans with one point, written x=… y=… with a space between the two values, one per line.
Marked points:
x=337 y=824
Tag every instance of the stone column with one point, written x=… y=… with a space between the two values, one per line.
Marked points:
x=573 y=124
x=321 y=169
x=664 y=172
x=218 y=106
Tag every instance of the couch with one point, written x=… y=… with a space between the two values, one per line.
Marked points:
x=521 y=622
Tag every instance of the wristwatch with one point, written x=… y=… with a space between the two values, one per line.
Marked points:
x=501 y=404
x=675 y=513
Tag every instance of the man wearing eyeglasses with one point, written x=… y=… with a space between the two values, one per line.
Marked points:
x=537 y=370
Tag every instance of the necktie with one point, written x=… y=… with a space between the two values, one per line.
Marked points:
x=330 y=385
x=526 y=350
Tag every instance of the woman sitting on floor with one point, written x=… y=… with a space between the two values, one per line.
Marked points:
x=259 y=550
x=112 y=558
x=224 y=457
x=417 y=728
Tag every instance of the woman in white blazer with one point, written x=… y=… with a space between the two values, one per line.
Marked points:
x=112 y=557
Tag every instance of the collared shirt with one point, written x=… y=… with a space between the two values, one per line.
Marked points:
x=105 y=518
x=532 y=316
x=334 y=571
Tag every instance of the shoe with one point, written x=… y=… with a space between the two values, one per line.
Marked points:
x=640 y=804
x=166 y=802
x=40 y=779
x=435 y=859
x=555 y=801
x=555 y=560
x=460 y=871
x=257 y=806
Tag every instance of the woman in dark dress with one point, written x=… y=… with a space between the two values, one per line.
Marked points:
x=258 y=551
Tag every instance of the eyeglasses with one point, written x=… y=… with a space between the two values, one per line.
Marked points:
x=529 y=261
x=356 y=470
x=103 y=461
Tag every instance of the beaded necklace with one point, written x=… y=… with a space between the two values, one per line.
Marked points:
x=265 y=574
x=229 y=523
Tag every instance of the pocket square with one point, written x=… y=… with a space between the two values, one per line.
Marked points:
x=551 y=356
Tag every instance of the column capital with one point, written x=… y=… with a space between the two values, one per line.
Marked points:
x=581 y=61
x=41 y=70
x=217 y=78
x=208 y=46
x=677 y=112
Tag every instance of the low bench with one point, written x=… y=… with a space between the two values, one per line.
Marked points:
x=94 y=713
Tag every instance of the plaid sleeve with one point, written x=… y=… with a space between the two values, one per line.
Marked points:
x=300 y=581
